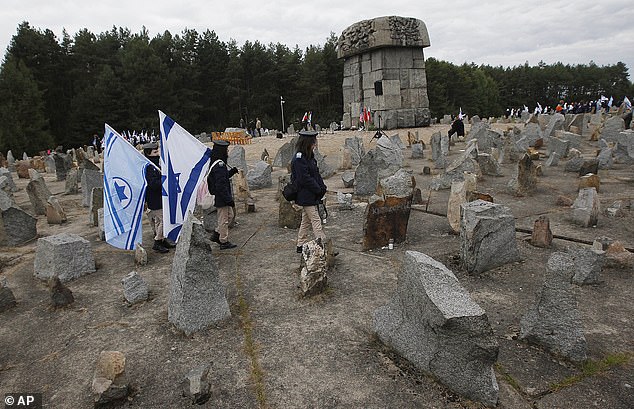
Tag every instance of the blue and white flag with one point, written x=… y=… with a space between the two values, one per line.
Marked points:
x=627 y=103
x=184 y=160
x=124 y=191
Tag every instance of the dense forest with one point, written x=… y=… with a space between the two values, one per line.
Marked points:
x=61 y=91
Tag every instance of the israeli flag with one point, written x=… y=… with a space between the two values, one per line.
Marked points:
x=184 y=160
x=124 y=191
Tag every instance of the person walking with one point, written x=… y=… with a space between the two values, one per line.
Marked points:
x=258 y=126
x=310 y=187
x=154 y=199
x=219 y=185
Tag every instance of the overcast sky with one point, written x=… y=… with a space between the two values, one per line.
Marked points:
x=503 y=32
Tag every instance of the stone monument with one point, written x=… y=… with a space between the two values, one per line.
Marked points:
x=384 y=70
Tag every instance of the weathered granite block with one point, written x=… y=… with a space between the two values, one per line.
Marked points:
x=588 y=263
x=586 y=208
x=197 y=296
x=135 y=289
x=17 y=226
x=67 y=256
x=433 y=322
x=89 y=180
x=260 y=176
x=487 y=233
x=554 y=321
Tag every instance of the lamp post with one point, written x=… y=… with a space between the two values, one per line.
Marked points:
x=282 y=109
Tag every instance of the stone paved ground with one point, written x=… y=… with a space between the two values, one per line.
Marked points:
x=281 y=351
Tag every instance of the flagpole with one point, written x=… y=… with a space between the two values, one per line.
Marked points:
x=282 y=109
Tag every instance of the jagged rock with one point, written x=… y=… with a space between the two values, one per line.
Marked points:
x=488 y=165
x=418 y=151
x=7 y=299
x=89 y=180
x=458 y=196
x=71 y=187
x=588 y=263
x=61 y=296
x=348 y=179
x=384 y=160
x=196 y=385
x=135 y=289
x=140 y=255
x=314 y=267
x=325 y=170
x=589 y=166
x=238 y=159
x=553 y=160
x=357 y=151
x=285 y=154
x=525 y=181
x=585 y=209
x=288 y=216
x=387 y=216
x=260 y=176
x=54 y=212
x=589 y=180
x=64 y=255
x=433 y=322
x=554 y=321
x=197 y=296
x=16 y=226
x=109 y=383
x=487 y=235
x=345 y=201
x=542 y=236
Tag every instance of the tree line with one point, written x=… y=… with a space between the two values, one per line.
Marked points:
x=61 y=91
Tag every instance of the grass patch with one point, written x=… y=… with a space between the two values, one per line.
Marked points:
x=507 y=377
x=593 y=368
x=250 y=346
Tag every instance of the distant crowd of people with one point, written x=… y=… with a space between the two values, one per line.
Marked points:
x=602 y=104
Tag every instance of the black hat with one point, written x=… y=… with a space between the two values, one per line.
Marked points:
x=221 y=142
x=151 y=145
x=311 y=134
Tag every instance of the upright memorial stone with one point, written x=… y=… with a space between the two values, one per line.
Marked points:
x=487 y=233
x=89 y=180
x=260 y=176
x=285 y=154
x=16 y=226
x=387 y=216
x=525 y=181
x=61 y=166
x=197 y=296
x=38 y=195
x=71 y=187
x=357 y=151
x=67 y=256
x=433 y=322
x=554 y=321
x=287 y=215
x=237 y=159
x=383 y=160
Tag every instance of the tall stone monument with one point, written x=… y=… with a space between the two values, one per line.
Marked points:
x=384 y=70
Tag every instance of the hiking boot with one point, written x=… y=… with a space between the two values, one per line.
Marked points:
x=299 y=249
x=227 y=245
x=168 y=244
x=215 y=237
x=158 y=247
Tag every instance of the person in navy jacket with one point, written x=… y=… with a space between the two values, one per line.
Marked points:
x=310 y=187
x=154 y=199
x=219 y=185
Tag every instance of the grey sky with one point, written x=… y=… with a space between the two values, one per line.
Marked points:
x=506 y=33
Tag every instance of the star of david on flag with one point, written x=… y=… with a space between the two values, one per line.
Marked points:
x=184 y=160
x=124 y=191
